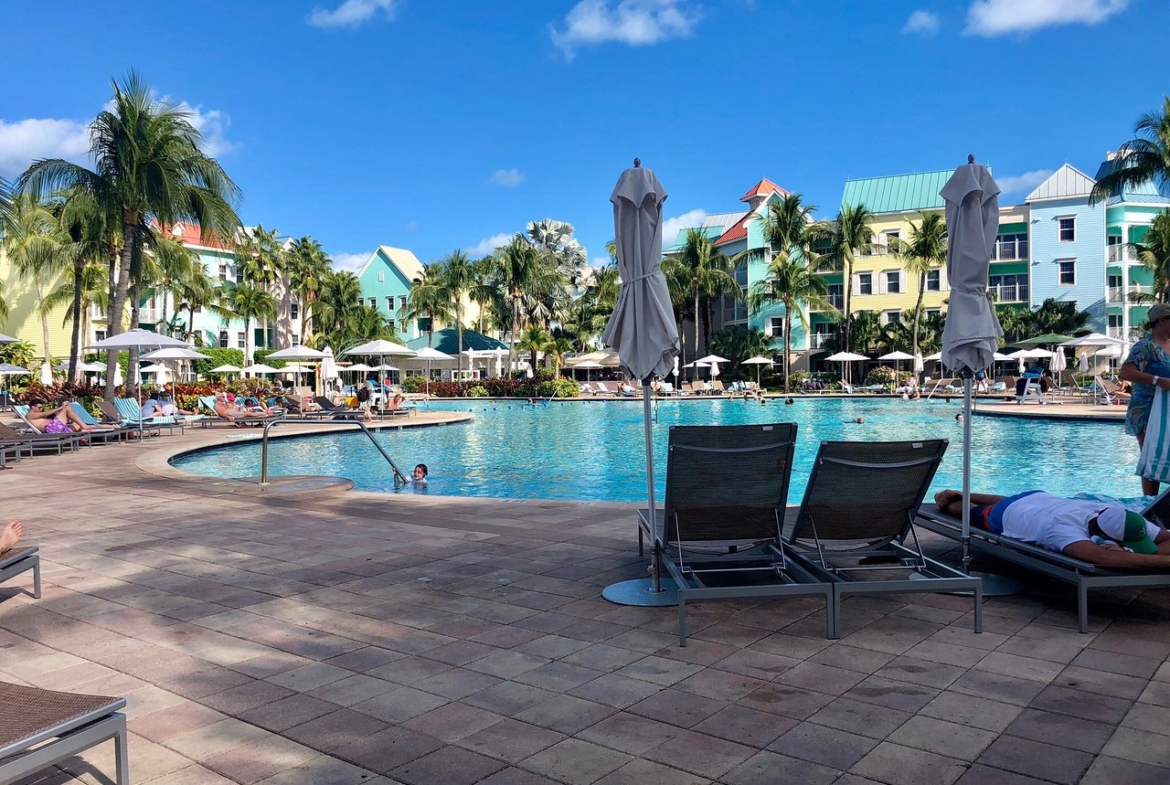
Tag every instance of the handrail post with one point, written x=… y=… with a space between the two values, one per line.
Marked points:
x=272 y=423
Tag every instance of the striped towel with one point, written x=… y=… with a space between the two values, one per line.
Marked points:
x=1154 y=462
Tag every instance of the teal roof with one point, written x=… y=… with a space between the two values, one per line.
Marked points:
x=899 y=192
x=447 y=341
x=1147 y=192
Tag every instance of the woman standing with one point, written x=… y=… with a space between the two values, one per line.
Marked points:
x=1147 y=369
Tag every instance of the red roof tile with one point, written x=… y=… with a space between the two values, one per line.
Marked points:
x=737 y=231
x=190 y=235
x=763 y=188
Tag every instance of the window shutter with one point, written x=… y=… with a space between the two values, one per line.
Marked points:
x=943 y=284
x=881 y=282
x=855 y=286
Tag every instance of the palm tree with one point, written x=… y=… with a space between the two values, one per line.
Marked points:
x=516 y=266
x=864 y=326
x=148 y=162
x=78 y=292
x=36 y=246
x=1154 y=254
x=925 y=251
x=244 y=301
x=337 y=308
x=534 y=339
x=790 y=282
x=740 y=342
x=852 y=237
x=93 y=240
x=457 y=277
x=711 y=274
x=195 y=292
x=429 y=299
x=556 y=349
x=1143 y=159
x=176 y=263
x=307 y=265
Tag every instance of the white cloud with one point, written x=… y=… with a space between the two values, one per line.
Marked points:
x=600 y=261
x=507 y=178
x=1023 y=182
x=213 y=124
x=633 y=22
x=349 y=261
x=922 y=23
x=990 y=18
x=24 y=141
x=353 y=13
x=410 y=226
x=672 y=226
x=488 y=245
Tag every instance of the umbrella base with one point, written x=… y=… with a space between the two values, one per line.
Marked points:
x=640 y=592
x=993 y=585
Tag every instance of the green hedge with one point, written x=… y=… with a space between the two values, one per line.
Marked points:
x=218 y=357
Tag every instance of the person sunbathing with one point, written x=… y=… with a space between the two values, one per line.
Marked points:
x=60 y=420
x=1103 y=533
x=10 y=535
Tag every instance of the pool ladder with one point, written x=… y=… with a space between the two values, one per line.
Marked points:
x=398 y=475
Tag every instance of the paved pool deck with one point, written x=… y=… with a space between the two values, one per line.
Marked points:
x=338 y=638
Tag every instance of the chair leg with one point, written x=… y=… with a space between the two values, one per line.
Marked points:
x=121 y=755
x=682 y=620
x=835 y=613
x=979 y=608
x=37 y=577
x=1082 y=607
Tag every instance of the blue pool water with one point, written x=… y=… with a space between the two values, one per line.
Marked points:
x=594 y=450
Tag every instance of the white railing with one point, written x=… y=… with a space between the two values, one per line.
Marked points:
x=1117 y=295
x=820 y=339
x=1010 y=293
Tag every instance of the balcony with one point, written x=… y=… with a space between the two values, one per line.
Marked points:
x=1122 y=253
x=835 y=300
x=1010 y=293
x=1117 y=296
x=818 y=340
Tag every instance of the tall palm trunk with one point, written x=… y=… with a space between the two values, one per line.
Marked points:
x=459 y=331
x=44 y=317
x=696 y=346
x=78 y=316
x=918 y=311
x=787 y=344
x=118 y=297
x=135 y=296
x=847 y=298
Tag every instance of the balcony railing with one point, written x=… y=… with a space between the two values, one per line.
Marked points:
x=1010 y=293
x=835 y=300
x=1122 y=253
x=819 y=340
x=1116 y=295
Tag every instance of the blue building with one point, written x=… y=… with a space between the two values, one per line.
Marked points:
x=386 y=278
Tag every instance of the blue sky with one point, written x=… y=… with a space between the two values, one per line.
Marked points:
x=438 y=125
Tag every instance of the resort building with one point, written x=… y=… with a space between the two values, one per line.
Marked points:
x=386 y=278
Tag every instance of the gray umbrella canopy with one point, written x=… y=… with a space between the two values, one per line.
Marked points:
x=137 y=339
x=642 y=327
x=972 y=214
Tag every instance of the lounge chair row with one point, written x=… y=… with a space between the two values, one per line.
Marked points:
x=725 y=530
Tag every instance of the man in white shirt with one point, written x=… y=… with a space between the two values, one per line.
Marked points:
x=1097 y=532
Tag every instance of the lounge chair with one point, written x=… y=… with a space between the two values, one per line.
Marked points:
x=719 y=531
x=21 y=559
x=40 y=728
x=335 y=412
x=1084 y=576
x=36 y=440
x=102 y=435
x=717 y=387
x=152 y=426
x=858 y=514
x=131 y=412
x=208 y=402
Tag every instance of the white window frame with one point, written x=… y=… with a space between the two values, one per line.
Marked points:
x=858 y=282
x=938 y=280
x=884 y=282
x=381 y=276
x=294 y=311
x=1060 y=271
x=892 y=316
x=241 y=339
x=1060 y=219
x=223 y=271
x=776 y=327
x=892 y=234
x=223 y=339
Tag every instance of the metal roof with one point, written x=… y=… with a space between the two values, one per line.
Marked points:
x=898 y=193
x=713 y=226
x=1147 y=192
x=1067 y=182
x=447 y=341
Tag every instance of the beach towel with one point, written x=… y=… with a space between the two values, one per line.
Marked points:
x=1154 y=461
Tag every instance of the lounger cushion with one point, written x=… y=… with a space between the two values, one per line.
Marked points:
x=31 y=712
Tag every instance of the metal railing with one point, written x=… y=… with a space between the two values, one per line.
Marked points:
x=273 y=423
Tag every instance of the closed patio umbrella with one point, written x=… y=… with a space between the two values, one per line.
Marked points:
x=643 y=331
x=46 y=374
x=1058 y=364
x=972 y=330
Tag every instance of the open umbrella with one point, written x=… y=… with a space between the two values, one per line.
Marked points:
x=972 y=330
x=142 y=340
x=588 y=365
x=8 y=339
x=381 y=349
x=298 y=352
x=757 y=361
x=429 y=354
x=1095 y=339
x=225 y=368
x=643 y=331
x=258 y=368
x=844 y=358
x=1047 y=339
x=898 y=357
x=8 y=369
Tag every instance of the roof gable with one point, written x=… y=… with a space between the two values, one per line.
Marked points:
x=764 y=187
x=1147 y=192
x=447 y=341
x=399 y=259
x=1067 y=182
x=898 y=193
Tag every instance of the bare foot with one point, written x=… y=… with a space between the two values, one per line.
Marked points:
x=943 y=498
x=10 y=535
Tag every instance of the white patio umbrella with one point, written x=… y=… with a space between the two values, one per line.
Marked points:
x=935 y=356
x=757 y=361
x=175 y=354
x=1058 y=364
x=388 y=368
x=142 y=340
x=898 y=357
x=844 y=358
x=643 y=331
x=46 y=374
x=713 y=358
x=157 y=369
x=429 y=354
x=972 y=330
x=8 y=369
x=1110 y=351
x=298 y=352
x=381 y=349
x=258 y=368
x=225 y=368
x=1095 y=339
x=588 y=365
x=7 y=339
x=329 y=370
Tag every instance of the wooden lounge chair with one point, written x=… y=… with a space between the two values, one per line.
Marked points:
x=855 y=526
x=14 y=561
x=40 y=728
x=726 y=491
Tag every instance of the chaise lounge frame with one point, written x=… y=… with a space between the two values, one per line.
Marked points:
x=17 y=560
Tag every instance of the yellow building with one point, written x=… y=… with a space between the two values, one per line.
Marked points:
x=23 y=321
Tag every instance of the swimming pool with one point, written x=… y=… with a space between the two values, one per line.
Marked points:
x=594 y=450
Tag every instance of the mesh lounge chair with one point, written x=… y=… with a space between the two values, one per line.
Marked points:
x=208 y=402
x=103 y=435
x=719 y=532
x=41 y=441
x=40 y=728
x=114 y=417
x=131 y=412
x=14 y=561
x=334 y=411
x=858 y=513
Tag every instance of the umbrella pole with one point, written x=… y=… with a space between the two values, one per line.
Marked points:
x=966 y=538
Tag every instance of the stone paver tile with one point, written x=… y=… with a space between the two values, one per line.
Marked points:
x=510 y=740
x=453 y=722
x=603 y=657
x=864 y=719
x=746 y=726
x=852 y=658
x=1148 y=717
x=507 y=664
x=1086 y=705
x=1114 y=771
x=984 y=684
x=946 y=653
x=400 y=704
x=795 y=646
x=558 y=676
x=388 y=749
x=891 y=635
x=935 y=735
x=644 y=640
x=353 y=689
x=830 y=747
x=191 y=775
x=907 y=766
x=514 y=776
x=509 y=698
x=964 y=636
x=1103 y=682
x=1062 y=730
x=698 y=651
x=324 y=770
x=720 y=684
x=614 y=690
x=659 y=670
x=641 y=772
x=565 y=714
x=784 y=699
x=552 y=647
x=1117 y=662
x=457 y=684
x=448 y=766
x=1158 y=693
x=677 y=707
x=363 y=660
x=246 y=696
x=1036 y=759
x=892 y=694
x=822 y=678
x=770 y=768
x=1020 y=667
x=164 y=723
x=916 y=671
x=460 y=652
x=288 y=712
x=1163 y=673
x=409 y=670
x=1139 y=745
x=309 y=677
x=575 y=762
x=209 y=740
x=985 y=775
x=1059 y=651
x=630 y=733
x=258 y=761
x=342 y=727
x=699 y=754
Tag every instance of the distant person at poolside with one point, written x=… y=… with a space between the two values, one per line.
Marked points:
x=151 y=407
x=396 y=402
x=1098 y=532
x=1147 y=370
x=855 y=421
x=363 y=399
x=10 y=535
x=226 y=407
x=169 y=407
x=60 y=420
x=789 y=401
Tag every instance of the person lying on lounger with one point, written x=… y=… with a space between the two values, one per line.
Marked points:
x=60 y=420
x=10 y=535
x=1097 y=532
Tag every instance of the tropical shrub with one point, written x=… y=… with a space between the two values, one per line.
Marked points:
x=881 y=375
x=218 y=356
x=414 y=384
x=478 y=391
x=559 y=388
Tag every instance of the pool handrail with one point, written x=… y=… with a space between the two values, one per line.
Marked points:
x=398 y=475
